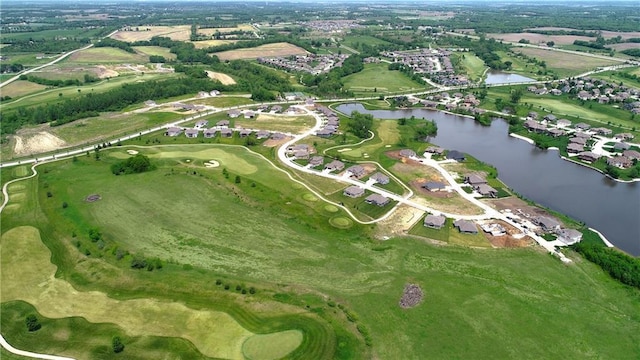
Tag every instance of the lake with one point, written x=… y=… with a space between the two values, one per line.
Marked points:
x=608 y=206
x=499 y=77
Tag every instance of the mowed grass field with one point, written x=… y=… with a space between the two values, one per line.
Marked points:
x=565 y=64
x=377 y=78
x=472 y=65
x=20 y=88
x=106 y=55
x=155 y=50
x=478 y=303
x=267 y=50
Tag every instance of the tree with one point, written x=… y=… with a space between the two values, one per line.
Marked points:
x=32 y=323
x=550 y=43
x=117 y=344
x=516 y=95
x=360 y=124
x=499 y=104
x=238 y=180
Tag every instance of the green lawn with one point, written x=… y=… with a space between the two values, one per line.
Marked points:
x=155 y=50
x=472 y=65
x=377 y=78
x=313 y=276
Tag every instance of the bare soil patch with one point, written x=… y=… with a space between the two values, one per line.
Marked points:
x=209 y=43
x=508 y=240
x=103 y=72
x=411 y=296
x=93 y=198
x=399 y=223
x=274 y=143
x=223 y=78
x=28 y=143
x=267 y=50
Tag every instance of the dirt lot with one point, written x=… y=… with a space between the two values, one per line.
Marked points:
x=399 y=223
x=178 y=33
x=223 y=78
x=268 y=50
x=508 y=240
x=539 y=38
x=274 y=143
x=32 y=141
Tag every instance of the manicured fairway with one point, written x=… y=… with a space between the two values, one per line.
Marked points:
x=271 y=347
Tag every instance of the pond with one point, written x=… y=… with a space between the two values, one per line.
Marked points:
x=610 y=207
x=499 y=77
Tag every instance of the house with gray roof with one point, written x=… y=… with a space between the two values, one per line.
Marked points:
x=563 y=123
x=209 y=133
x=226 y=133
x=435 y=150
x=380 y=178
x=582 y=126
x=316 y=161
x=173 y=131
x=631 y=154
x=277 y=136
x=555 y=132
x=356 y=170
x=547 y=223
x=222 y=123
x=574 y=148
x=474 y=179
x=569 y=236
x=233 y=113
x=486 y=190
x=455 y=155
x=301 y=154
x=200 y=124
x=588 y=156
x=353 y=191
x=434 y=186
x=249 y=114
x=335 y=165
x=434 y=221
x=466 y=226
x=245 y=133
x=407 y=153
x=262 y=134
x=191 y=133
x=377 y=199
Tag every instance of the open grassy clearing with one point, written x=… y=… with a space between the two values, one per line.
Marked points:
x=28 y=59
x=519 y=65
x=354 y=40
x=472 y=65
x=20 y=88
x=267 y=50
x=215 y=334
x=482 y=296
x=50 y=34
x=177 y=32
x=377 y=78
x=155 y=50
x=105 y=55
x=274 y=122
x=565 y=64
x=209 y=43
x=222 y=102
x=225 y=30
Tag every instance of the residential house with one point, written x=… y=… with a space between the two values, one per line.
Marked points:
x=534 y=126
x=455 y=155
x=380 y=178
x=575 y=148
x=466 y=226
x=631 y=154
x=434 y=221
x=226 y=133
x=233 y=113
x=353 y=191
x=222 y=123
x=173 y=131
x=550 y=118
x=407 y=153
x=563 y=123
x=245 y=132
x=277 y=136
x=588 y=156
x=201 y=124
x=555 y=132
x=435 y=150
x=191 y=133
x=276 y=108
x=486 y=190
x=209 y=133
x=474 y=179
x=624 y=136
x=547 y=224
x=493 y=229
x=356 y=170
x=316 y=161
x=621 y=162
x=301 y=154
x=262 y=134
x=335 y=165
x=249 y=114
x=602 y=131
x=620 y=146
x=582 y=126
x=569 y=236
x=297 y=147
x=377 y=199
x=434 y=186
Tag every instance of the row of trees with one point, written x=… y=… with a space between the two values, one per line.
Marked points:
x=58 y=82
x=109 y=42
x=619 y=265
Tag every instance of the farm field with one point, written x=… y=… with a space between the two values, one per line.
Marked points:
x=624 y=46
x=538 y=39
x=155 y=50
x=377 y=78
x=225 y=30
x=105 y=55
x=276 y=49
x=177 y=32
x=565 y=64
x=481 y=295
x=201 y=44
x=605 y=33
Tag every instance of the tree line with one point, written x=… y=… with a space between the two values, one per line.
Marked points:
x=60 y=83
x=618 y=265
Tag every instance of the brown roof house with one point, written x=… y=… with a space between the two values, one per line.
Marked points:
x=353 y=191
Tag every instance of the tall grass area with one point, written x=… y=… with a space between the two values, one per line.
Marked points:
x=338 y=286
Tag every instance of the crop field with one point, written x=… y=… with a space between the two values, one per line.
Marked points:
x=566 y=64
x=377 y=78
x=213 y=31
x=537 y=39
x=20 y=88
x=256 y=231
x=276 y=122
x=624 y=46
x=105 y=55
x=605 y=33
x=155 y=50
x=267 y=50
x=177 y=32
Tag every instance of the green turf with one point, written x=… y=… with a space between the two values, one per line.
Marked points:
x=270 y=347
x=155 y=50
x=266 y=234
x=472 y=65
x=105 y=55
x=377 y=78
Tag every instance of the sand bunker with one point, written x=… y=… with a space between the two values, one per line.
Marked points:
x=132 y=152
x=212 y=164
x=343 y=150
x=38 y=143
